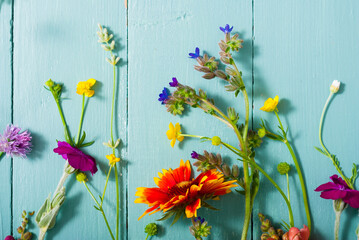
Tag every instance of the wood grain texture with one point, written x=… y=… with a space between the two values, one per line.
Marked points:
x=58 y=40
x=161 y=34
x=299 y=49
x=5 y=119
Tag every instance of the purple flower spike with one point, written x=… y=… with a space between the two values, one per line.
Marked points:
x=226 y=29
x=338 y=189
x=76 y=158
x=199 y=219
x=14 y=143
x=164 y=95
x=195 y=54
x=194 y=155
x=174 y=82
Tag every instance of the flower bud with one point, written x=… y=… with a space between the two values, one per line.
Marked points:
x=209 y=75
x=151 y=229
x=20 y=230
x=280 y=232
x=334 y=88
x=283 y=168
x=231 y=71
x=57 y=87
x=235 y=171
x=27 y=236
x=264 y=236
x=262 y=133
x=216 y=141
x=23 y=214
x=226 y=170
x=266 y=224
x=49 y=83
x=339 y=205
x=285 y=236
x=81 y=177
x=221 y=74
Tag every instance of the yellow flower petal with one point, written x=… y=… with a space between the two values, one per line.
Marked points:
x=84 y=88
x=270 y=104
x=174 y=133
x=91 y=81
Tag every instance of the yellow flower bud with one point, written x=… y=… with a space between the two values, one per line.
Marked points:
x=81 y=177
x=216 y=141
x=49 y=83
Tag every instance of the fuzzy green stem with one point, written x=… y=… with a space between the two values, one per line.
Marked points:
x=62 y=180
x=101 y=210
x=323 y=146
x=299 y=171
x=104 y=190
x=291 y=220
x=81 y=120
x=41 y=235
x=337 y=224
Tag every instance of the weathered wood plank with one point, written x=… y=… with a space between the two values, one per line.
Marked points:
x=161 y=34
x=5 y=119
x=299 y=49
x=58 y=40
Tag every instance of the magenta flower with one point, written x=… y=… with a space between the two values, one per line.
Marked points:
x=14 y=143
x=338 y=189
x=9 y=238
x=174 y=82
x=76 y=158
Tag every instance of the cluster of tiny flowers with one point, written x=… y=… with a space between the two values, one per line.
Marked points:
x=14 y=143
x=105 y=38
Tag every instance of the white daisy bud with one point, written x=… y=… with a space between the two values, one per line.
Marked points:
x=334 y=88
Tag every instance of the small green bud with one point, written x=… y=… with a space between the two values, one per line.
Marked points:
x=49 y=83
x=283 y=168
x=27 y=236
x=235 y=171
x=20 y=229
x=23 y=214
x=81 y=177
x=233 y=116
x=261 y=217
x=151 y=229
x=280 y=232
x=271 y=232
x=57 y=87
x=266 y=224
x=216 y=141
x=226 y=170
x=262 y=133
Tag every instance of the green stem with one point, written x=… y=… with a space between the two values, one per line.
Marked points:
x=291 y=220
x=81 y=119
x=299 y=171
x=113 y=101
x=147 y=236
x=337 y=224
x=1 y=153
x=323 y=146
x=104 y=190
x=63 y=121
x=101 y=210
x=117 y=203
x=41 y=235
x=288 y=186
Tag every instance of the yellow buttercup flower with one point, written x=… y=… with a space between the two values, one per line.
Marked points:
x=270 y=104
x=174 y=133
x=85 y=87
x=112 y=159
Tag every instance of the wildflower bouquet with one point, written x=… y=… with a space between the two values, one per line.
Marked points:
x=177 y=194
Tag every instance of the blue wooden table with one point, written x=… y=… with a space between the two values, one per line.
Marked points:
x=293 y=49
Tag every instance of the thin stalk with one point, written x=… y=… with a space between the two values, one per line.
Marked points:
x=101 y=210
x=323 y=146
x=117 y=203
x=63 y=121
x=337 y=224
x=1 y=153
x=147 y=236
x=81 y=119
x=299 y=171
x=288 y=186
x=291 y=220
x=104 y=190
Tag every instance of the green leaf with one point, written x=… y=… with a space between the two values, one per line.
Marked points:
x=206 y=205
x=240 y=192
x=87 y=144
x=67 y=137
x=177 y=217
x=96 y=208
x=166 y=216
x=285 y=225
x=236 y=93
x=82 y=138
x=354 y=174
x=321 y=151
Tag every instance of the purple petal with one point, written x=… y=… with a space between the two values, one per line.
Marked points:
x=339 y=180
x=326 y=186
x=333 y=194
x=352 y=198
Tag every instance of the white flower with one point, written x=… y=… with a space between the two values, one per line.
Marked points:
x=334 y=88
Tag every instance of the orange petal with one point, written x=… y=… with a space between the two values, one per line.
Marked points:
x=191 y=210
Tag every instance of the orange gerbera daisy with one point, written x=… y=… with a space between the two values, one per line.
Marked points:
x=177 y=193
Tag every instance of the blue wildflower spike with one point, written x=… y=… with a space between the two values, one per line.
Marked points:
x=163 y=96
x=226 y=29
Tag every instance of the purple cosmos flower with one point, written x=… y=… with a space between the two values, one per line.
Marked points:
x=199 y=219
x=9 y=238
x=164 y=95
x=195 y=54
x=174 y=82
x=194 y=155
x=226 y=29
x=76 y=158
x=14 y=143
x=338 y=189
